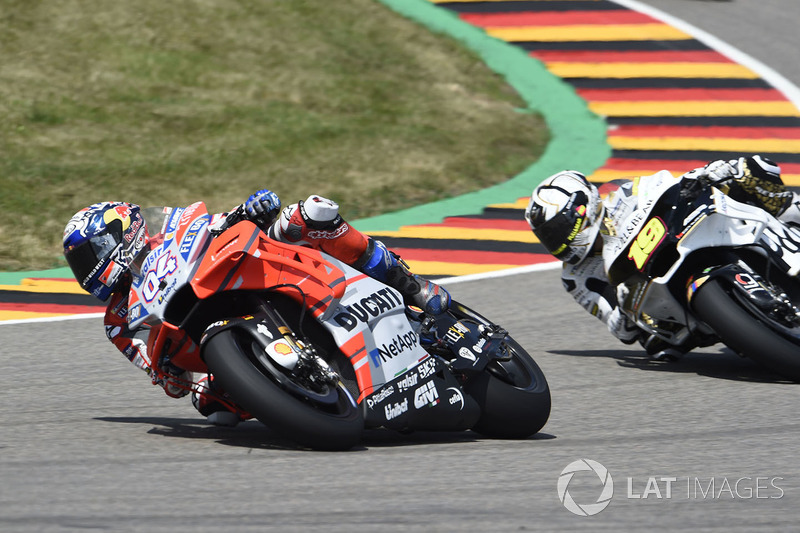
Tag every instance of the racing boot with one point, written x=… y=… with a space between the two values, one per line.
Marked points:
x=383 y=265
x=660 y=350
x=210 y=401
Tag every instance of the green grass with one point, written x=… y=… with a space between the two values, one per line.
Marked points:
x=167 y=103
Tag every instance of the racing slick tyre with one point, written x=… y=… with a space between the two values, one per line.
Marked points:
x=748 y=330
x=321 y=417
x=513 y=393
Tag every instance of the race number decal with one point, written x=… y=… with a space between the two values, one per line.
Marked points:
x=647 y=241
x=166 y=264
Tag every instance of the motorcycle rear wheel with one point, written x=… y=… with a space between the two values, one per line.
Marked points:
x=335 y=424
x=748 y=330
x=513 y=395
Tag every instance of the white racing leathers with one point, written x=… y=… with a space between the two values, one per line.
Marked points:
x=626 y=207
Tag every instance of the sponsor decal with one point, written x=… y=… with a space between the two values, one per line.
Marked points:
x=166 y=290
x=386 y=351
x=478 y=348
x=264 y=330
x=456 y=332
x=426 y=395
x=747 y=282
x=369 y=307
x=396 y=409
x=426 y=367
x=173 y=220
x=110 y=274
x=190 y=237
x=282 y=353
x=321 y=234
x=187 y=213
x=135 y=312
x=456 y=398
x=132 y=231
x=379 y=396
x=407 y=382
x=466 y=353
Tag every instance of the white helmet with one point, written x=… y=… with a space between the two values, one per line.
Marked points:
x=565 y=213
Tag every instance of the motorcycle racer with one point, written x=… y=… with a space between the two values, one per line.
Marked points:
x=105 y=241
x=577 y=226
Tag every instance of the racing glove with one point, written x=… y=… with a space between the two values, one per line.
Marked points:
x=755 y=180
x=262 y=208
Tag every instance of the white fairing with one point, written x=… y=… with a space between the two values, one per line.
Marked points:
x=377 y=312
x=169 y=265
x=627 y=209
x=723 y=223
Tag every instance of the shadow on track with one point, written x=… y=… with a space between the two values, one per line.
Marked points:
x=721 y=365
x=253 y=434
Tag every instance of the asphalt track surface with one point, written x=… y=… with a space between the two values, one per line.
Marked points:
x=87 y=444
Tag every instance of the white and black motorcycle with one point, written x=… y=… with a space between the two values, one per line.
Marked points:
x=698 y=267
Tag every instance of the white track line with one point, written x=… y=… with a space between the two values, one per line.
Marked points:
x=774 y=78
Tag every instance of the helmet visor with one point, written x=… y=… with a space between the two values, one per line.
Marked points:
x=87 y=258
x=560 y=231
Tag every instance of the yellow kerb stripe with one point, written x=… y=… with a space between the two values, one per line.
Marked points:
x=701 y=143
x=694 y=109
x=46 y=286
x=423 y=232
x=590 y=32
x=436 y=268
x=566 y=69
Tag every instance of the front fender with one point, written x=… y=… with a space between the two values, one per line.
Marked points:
x=740 y=277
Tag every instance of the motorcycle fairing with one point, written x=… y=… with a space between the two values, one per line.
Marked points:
x=370 y=325
x=169 y=263
x=713 y=220
x=244 y=258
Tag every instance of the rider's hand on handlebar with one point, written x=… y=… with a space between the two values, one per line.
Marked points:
x=262 y=208
x=721 y=171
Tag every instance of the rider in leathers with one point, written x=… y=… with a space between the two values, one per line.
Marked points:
x=577 y=226
x=103 y=241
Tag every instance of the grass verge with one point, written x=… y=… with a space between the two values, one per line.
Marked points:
x=167 y=103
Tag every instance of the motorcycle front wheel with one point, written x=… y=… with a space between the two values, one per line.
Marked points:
x=512 y=392
x=748 y=330
x=323 y=418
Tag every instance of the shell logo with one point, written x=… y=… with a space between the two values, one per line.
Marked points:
x=282 y=348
